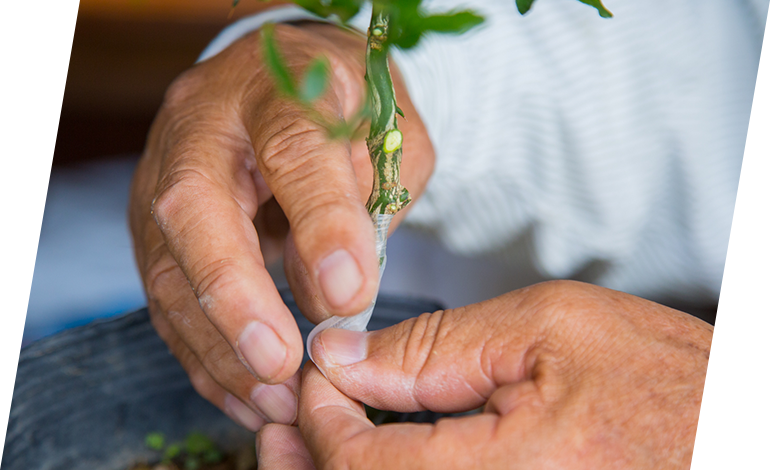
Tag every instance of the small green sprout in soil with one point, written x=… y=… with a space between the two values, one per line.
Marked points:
x=196 y=452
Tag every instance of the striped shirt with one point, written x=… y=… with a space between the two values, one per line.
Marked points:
x=608 y=150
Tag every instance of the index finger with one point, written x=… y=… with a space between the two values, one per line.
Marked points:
x=204 y=205
x=338 y=435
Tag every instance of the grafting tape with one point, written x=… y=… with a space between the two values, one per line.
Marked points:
x=359 y=321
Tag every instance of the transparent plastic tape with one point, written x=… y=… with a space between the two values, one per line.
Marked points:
x=359 y=321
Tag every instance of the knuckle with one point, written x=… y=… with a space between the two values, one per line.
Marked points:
x=213 y=277
x=309 y=175
x=563 y=287
x=175 y=190
x=560 y=300
x=285 y=151
x=162 y=277
x=182 y=88
x=219 y=356
x=420 y=341
x=322 y=212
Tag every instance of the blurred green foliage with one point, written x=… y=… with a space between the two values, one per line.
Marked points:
x=196 y=449
x=525 y=5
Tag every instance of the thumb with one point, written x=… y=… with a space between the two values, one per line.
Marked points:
x=447 y=361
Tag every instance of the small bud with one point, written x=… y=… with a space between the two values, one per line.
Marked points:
x=393 y=141
x=378 y=31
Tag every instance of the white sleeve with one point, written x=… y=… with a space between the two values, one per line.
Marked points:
x=246 y=25
x=605 y=146
x=612 y=146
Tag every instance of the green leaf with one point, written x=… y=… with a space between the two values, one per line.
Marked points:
x=343 y=9
x=192 y=463
x=172 y=451
x=276 y=63
x=196 y=443
x=315 y=81
x=408 y=23
x=524 y=5
x=603 y=12
x=454 y=22
x=212 y=456
x=155 y=440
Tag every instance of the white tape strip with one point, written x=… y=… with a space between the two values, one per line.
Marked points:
x=360 y=321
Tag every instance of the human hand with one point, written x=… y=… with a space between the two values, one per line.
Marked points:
x=570 y=376
x=232 y=177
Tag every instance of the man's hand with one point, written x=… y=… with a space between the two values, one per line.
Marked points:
x=570 y=376
x=234 y=176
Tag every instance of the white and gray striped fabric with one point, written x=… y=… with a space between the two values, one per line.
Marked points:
x=593 y=143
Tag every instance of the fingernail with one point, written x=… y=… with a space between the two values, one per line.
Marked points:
x=241 y=414
x=340 y=278
x=263 y=351
x=343 y=347
x=277 y=402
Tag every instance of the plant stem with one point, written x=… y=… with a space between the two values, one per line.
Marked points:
x=384 y=141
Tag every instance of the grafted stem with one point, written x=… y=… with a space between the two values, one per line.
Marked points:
x=384 y=141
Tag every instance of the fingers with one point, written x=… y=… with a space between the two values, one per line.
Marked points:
x=312 y=176
x=338 y=435
x=185 y=328
x=305 y=293
x=281 y=447
x=202 y=382
x=416 y=168
x=206 y=199
x=509 y=398
x=212 y=238
x=218 y=374
x=446 y=361
x=313 y=180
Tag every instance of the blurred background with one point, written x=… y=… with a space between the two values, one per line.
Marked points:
x=125 y=53
x=71 y=127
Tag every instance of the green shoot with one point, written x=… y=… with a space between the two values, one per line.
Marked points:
x=171 y=452
x=155 y=441
x=196 y=449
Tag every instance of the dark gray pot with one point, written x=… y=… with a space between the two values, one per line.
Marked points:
x=86 y=398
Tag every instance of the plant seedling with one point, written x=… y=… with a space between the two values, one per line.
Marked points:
x=195 y=451
x=399 y=23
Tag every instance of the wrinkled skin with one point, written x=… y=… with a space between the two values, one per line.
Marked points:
x=234 y=177
x=571 y=376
